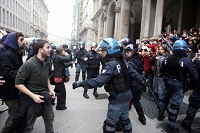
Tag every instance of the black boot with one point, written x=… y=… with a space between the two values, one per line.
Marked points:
x=83 y=75
x=142 y=120
x=186 y=127
x=140 y=112
x=160 y=117
x=95 y=93
x=77 y=76
x=172 y=130
x=85 y=94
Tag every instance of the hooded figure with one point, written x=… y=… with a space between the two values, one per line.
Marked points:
x=10 y=61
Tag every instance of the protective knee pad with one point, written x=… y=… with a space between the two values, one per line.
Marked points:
x=77 y=76
x=191 y=111
x=173 y=112
x=163 y=105
x=83 y=75
x=105 y=123
x=126 y=123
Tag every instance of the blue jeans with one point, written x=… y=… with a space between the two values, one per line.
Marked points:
x=67 y=71
x=80 y=67
x=116 y=111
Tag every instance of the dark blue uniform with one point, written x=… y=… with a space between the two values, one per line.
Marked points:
x=92 y=67
x=80 y=63
x=119 y=96
x=194 y=102
x=175 y=70
x=136 y=89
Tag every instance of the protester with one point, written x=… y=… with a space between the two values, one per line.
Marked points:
x=36 y=91
x=61 y=61
x=10 y=61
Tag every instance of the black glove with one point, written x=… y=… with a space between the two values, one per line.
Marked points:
x=77 y=84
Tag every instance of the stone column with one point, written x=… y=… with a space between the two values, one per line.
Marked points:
x=180 y=17
x=105 y=27
x=116 y=30
x=158 y=18
x=146 y=8
x=123 y=31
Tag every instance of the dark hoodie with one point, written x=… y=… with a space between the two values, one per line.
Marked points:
x=10 y=61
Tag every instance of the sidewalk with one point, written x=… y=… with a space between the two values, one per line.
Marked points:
x=87 y=115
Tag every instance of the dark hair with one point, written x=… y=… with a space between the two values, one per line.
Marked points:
x=18 y=34
x=59 y=50
x=38 y=44
x=163 y=47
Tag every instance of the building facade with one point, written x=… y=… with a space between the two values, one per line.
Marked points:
x=142 y=19
x=77 y=17
x=27 y=16
x=38 y=19
x=86 y=32
x=14 y=16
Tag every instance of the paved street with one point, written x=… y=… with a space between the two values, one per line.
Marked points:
x=87 y=115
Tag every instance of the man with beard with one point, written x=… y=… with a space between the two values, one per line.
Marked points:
x=10 y=61
x=36 y=92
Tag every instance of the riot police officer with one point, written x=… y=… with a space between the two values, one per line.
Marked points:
x=116 y=77
x=136 y=88
x=80 y=65
x=194 y=101
x=175 y=69
x=92 y=59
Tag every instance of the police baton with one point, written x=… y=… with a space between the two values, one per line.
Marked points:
x=147 y=85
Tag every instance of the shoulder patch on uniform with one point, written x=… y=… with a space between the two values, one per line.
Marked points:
x=103 y=71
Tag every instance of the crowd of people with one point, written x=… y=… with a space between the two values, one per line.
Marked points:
x=160 y=66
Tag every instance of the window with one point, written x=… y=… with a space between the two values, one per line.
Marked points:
x=7 y=17
x=0 y=14
x=4 y=14
x=11 y=19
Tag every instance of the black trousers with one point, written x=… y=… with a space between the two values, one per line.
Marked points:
x=92 y=73
x=61 y=95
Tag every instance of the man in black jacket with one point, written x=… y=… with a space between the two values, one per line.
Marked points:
x=10 y=61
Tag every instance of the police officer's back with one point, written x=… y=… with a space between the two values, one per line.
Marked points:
x=175 y=69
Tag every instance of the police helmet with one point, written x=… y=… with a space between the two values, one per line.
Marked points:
x=129 y=47
x=125 y=41
x=109 y=44
x=94 y=44
x=33 y=40
x=81 y=43
x=173 y=38
x=180 y=45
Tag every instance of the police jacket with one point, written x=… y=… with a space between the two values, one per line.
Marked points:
x=197 y=67
x=79 y=55
x=110 y=73
x=94 y=59
x=60 y=63
x=178 y=67
x=10 y=62
x=137 y=65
